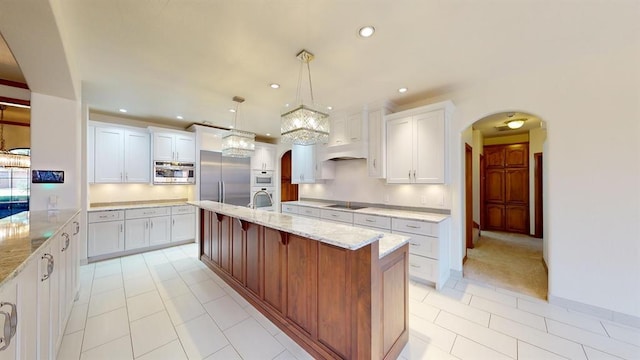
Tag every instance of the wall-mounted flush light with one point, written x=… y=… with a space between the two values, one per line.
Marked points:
x=329 y=107
x=123 y=110
x=275 y=86
x=403 y=90
x=515 y=124
x=179 y=117
x=232 y=110
x=366 y=31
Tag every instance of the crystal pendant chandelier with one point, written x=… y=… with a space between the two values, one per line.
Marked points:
x=8 y=159
x=237 y=143
x=304 y=125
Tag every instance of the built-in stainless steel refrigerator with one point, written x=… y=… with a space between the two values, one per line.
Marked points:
x=225 y=179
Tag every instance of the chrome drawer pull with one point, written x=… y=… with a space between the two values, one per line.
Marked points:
x=369 y=220
x=50 y=264
x=414 y=244
x=413 y=226
x=66 y=242
x=414 y=266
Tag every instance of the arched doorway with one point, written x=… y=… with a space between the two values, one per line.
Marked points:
x=502 y=165
x=288 y=191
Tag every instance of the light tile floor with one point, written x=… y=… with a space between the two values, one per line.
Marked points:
x=166 y=304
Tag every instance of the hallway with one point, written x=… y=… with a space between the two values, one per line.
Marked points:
x=510 y=261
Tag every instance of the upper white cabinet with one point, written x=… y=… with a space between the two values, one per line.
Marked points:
x=308 y=166
x=376 y=164
x=338 y=133
x=174 y=146
x=91 y=153
x=264 y=157
x=119 y=155
x=417 y=145
x=347 y=128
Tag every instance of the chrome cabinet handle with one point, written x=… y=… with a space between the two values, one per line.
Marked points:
x=152 y=224
x=77 y=228
x=50 y=264
x=374 y=163
x=412 y=226
x=334 y=215
x=409 y=174
x=121 y=176
x=414 y=244
x=146 y=224
x=10 y=325
x=66 y=242
x=414 y=266
x=369 y=220
x=414 y=174
x=177 y=155
x=121 y=228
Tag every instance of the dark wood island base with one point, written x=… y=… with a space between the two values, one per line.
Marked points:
x=336 y=303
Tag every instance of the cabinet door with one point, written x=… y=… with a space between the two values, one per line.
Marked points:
x=159 y=230
x=54 y=290
x=301 y=281
x=237 y=250
x=375 y=161
x=303 y=164
x=225 y=243
x=516 y=186
x=44 y=304
x=163 y=146
x=27 y=332
x=494 y=191
x=429 y=148
x=516 y=155
x=137 y=157
x=495 y=217
x=399 y=151
x=137 y=234
x=494 y=156
x=269 y=158
x=183 y=227
x=185 y=148
x=257 y=160
x=354 y=128
x=517 y=218
x=105 y=238
x=253 y=261
x=75 y=256
x=8 y=294
x=109 y=155
x=274 y=265
x=91 y=153
x=338 y=134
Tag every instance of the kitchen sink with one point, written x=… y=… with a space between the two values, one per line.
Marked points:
x=349 y=207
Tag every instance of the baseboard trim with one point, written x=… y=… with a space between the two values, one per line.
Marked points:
x=615 y=316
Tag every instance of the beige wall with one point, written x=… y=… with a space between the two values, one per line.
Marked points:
x=478 y=143
x=537 y=138
x=507 y=139
x=107 y=193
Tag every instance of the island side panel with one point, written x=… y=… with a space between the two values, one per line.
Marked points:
x=273 y=273
x=394 y=270
x=205 y=231
x=253 y=263
x=301 y=286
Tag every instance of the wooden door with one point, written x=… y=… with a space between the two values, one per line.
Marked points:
x=506 y=188
x=288 y=191
x=253 y=263
x=538 y=195
x=273 y=267
x=301 y=282
x=468 y=191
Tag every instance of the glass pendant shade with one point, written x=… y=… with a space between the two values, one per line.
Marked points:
x=304 y=126
x=8 y=159
x=238 y=143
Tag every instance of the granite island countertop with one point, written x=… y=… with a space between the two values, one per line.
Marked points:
x=344 y=236
x=372 y=210
x=22 y=234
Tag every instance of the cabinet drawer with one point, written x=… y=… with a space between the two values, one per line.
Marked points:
x=102 y=216
x=342 y=216
x=147 y=212
x=422 y=245
x=289 y=209
x=423 y=268
x=182 y=209
x=308 y=211
x=414 y=227
x=381 y=222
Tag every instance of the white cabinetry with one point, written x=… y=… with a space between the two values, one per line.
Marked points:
x=307 y=166
x=416 y=145
x=346 y=129
x=8 y=320
x=183 y=220
x=264 y=157
x=105 y=233
x=91 y=154
x=376 y=164
x=289 y=209
x=173 y=146
x=120 y=155
x=146 y=227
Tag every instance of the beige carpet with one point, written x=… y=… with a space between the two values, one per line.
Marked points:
x=509 y=261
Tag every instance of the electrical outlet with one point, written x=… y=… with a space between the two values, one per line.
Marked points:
x=386 y=198
x=441 y=200
x=423 y=199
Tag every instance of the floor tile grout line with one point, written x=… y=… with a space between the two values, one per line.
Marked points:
x=589 y=345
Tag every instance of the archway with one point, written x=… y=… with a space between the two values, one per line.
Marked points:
x=502 y=172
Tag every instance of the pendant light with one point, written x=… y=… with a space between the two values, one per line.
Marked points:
x=237 y=143
x=304 y=125
x=8 y=159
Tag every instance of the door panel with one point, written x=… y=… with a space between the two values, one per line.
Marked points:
x=253 y=242
x=495 y=217
x=333 y=297
x=517 y=219
x=274 y=253
x=237 y=250
x=495 y=185
x=301 y=269
x=517 y=186
x=225 y=244
x=494 y=156
x=516 y=155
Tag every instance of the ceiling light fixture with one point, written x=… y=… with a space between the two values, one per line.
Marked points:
x=515 y=123
x=275 y=86
x=123 y=110
x=7 y=159
x=403 y=90
x=304 y=125
x=237 y=143
x=366 y=31
x=232 y=110
x=329 y=107
x=179 y=117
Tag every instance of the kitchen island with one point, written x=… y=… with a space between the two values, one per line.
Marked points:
x=328 y=286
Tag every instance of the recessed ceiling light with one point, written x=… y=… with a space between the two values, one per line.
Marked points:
x=403 y=90
x=366 y=31
x=329 y=107
x=179 y=117
x=123 y=110
x=515 y=124
x=275 y=86
x=268 y=134
x=230 y=126
x=286 y=105
x=232 y=110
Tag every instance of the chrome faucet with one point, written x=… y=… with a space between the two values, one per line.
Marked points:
x=253 y=201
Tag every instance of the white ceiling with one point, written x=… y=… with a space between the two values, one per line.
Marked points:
x=159 y=59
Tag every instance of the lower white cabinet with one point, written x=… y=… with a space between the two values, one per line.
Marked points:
x=137 y=235
x=8 y=297
x=289 y=209
x=105 y=233
x=160 y=230
x=183 y=228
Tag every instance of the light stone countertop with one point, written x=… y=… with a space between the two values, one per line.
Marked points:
x=23 y=234
x=344 y=236
x=392 y=213
x=137 y=205
x=389 y=243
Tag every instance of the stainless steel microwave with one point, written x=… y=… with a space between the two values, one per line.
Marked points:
x=262 y=178
x=170 y=172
